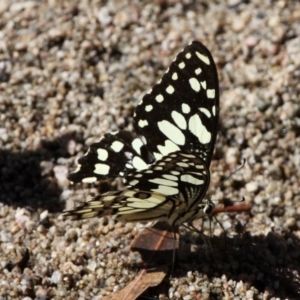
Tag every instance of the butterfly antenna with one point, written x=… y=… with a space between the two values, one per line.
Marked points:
x=235 y=171
x=226 y=178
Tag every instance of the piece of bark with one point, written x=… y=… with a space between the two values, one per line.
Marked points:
x=144 y=280
x=157 y=245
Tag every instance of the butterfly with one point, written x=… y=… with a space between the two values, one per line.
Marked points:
x=165 y=162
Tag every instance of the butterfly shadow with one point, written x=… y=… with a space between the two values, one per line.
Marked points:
x=34 y=179
x=269 y=263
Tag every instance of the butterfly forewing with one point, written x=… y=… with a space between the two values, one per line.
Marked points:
x=181 y=111
x=115 y=155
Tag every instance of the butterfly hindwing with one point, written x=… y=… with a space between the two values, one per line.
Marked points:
x=127 y=205
x=137 y=206
x=178 y=174
x=170 y=190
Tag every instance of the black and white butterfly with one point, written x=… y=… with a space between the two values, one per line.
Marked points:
x=165 y=164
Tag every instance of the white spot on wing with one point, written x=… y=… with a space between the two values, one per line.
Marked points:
x=194 y=83
x=188 y=55
x=143 y=139
x=199 y=130
x=198 y=71
x=167 y=148
x=202 y=57
x=101 y=169
x=130 y=193
x=138 y=163
x=185 y=108
x=187 y=155
x=211 y=94
x=179 y=119
x=170 y=177
x=136 y=145
x=199 y=166
x=191 y=179
x=214 y=110
x=157 y=155
x=148 y=108
x=117 y=146
x=172 y=132
x=127 y=210
x=202 y=174
x=182 y=164
x=170 y=89
x=142 y=123
x=203 y=84
x=89 y=179
x=105 y=198
x=166 y=190
x=141 y=204
x=181 y=65
x=133 y=182
x=162 y=181
x=205 y=111
x=175 y=172
x=154 y=198
x=158 y=168
x=159 y=98
x=175 y=76
x=102 y=154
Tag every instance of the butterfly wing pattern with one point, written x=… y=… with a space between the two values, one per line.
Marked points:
x=165 y=165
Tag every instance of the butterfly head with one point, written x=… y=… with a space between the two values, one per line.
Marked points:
x=208 y=207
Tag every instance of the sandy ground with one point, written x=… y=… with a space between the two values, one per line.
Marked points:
x=72 y=70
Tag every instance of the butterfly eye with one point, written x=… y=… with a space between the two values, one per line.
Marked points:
x=208 y=208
